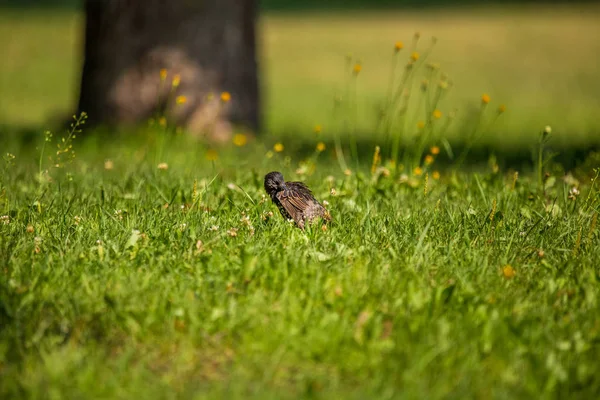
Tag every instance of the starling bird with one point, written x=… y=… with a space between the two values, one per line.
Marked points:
x=294 y=200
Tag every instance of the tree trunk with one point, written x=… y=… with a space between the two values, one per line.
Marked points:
x=209 y=44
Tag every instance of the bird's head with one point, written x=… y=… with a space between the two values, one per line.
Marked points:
x=274 y=182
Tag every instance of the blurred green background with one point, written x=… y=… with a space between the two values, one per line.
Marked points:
x=539 y=59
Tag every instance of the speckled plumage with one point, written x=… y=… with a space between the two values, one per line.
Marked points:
x=294 y=200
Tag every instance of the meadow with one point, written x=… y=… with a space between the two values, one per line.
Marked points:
x=149 y=264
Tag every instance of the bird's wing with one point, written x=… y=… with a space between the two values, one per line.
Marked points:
x=295 y=199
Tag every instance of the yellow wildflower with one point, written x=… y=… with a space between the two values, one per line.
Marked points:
x=163 y=74
x=240 y=140
x=347 y=172
x=428 y=159
x=415 y=56
x=435 y=150
x=180 y=99
x=357 y=68
x=485 y=98
x=108 y=165
x=163 y=166
x=437 y=114
x=418 y=171
x=502 y=108
x=162 y=121
x=435 y=175
x=508 y=272
x=176 y=81
x=420 y=125
x=320 y=147
x=278 y=147
x=318 y=129
x=225 y=97
x=212 y=155
x=398 y=46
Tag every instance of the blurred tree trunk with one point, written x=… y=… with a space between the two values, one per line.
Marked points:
x=209 y=44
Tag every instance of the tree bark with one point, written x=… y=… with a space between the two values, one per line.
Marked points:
x=209 y=44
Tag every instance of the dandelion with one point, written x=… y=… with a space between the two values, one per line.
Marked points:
x=29 y=229
x=548 y=130
x=501 y=108
x=225 y=97
x=485 y=98
x=162 y=121
x=398 y=46
x=176 y=81
x=180 y=100
x=108 y=165
x=357 y=68
x=435 y=150
x=437 y=114
x=278 y=147
x=320 y=147
x=163 y=74
x=508 y=272
x=418 y=171
x=163 y=166
x=435 y=175
x=415 y=56
x=420 y=125
x=429 y=159
x=211 y=155
x=318 y=129
x=240 y=139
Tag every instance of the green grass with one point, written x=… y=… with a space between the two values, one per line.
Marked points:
x=120 y=279
x=130 y=282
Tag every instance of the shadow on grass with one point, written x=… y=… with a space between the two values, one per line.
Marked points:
x=517 y=157
x=301 y=146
